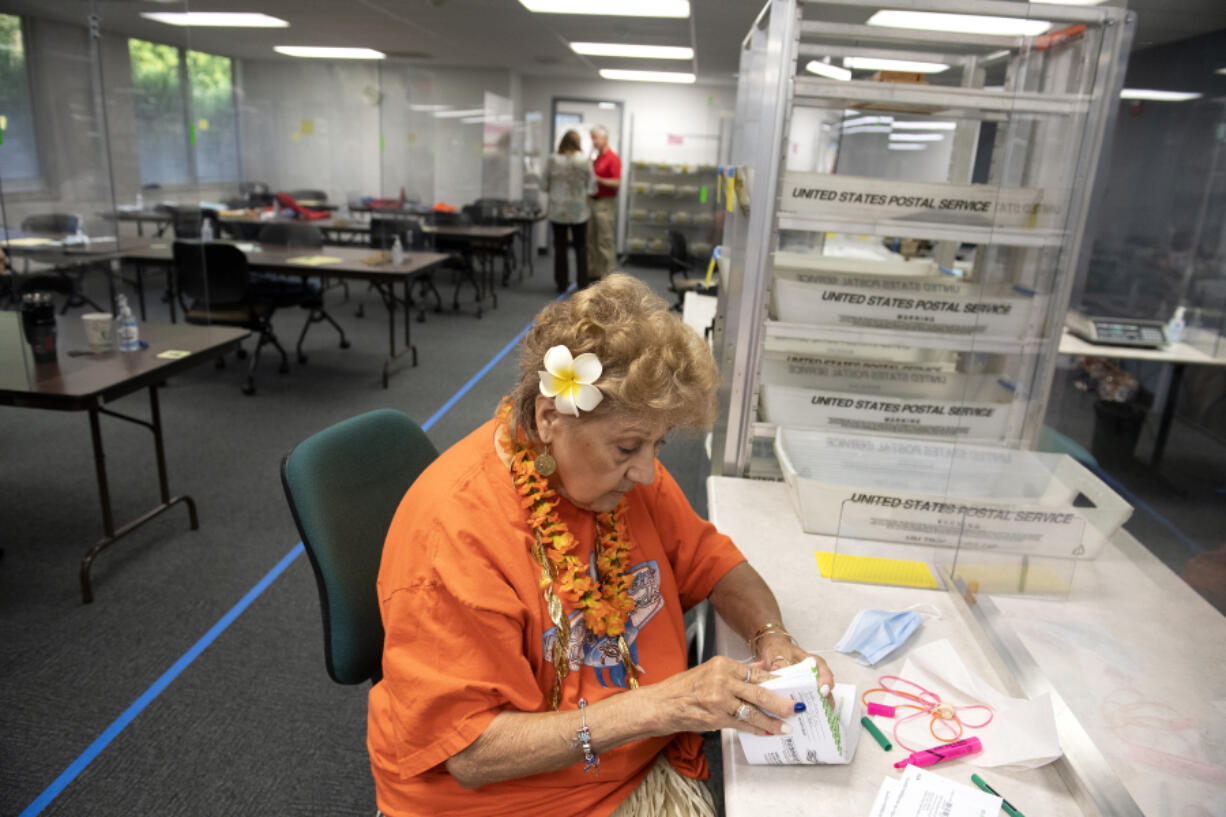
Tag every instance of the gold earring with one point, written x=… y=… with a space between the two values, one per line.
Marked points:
x=545 y=464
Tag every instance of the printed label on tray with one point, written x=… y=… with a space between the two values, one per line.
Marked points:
x=975 y=205
x=962 y=311
x=841 y=411
x=934 y=380
x=917 y=520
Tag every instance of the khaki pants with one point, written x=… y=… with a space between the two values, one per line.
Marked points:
x=601 y=255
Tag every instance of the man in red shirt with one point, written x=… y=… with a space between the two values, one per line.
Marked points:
x=601 y=255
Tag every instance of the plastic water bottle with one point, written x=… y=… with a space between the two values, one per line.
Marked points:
x=79 y=237
x=397 y=251
x=206 y=230
x=140 y=201
x=1175 y=326
x=128 y=333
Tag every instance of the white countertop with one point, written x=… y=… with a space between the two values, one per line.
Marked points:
x=1070 y=344
x=1136 y=654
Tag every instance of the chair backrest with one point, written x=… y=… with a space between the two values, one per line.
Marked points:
x=291 y=234
x=210 y=274
x=248 y=188
x=678 y=252
x=442 y=219
x=308 y=194
x=51 y=223
x=187 y=221
x=344 y=485
x=383 y=232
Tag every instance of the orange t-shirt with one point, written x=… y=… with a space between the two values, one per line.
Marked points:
x=467 y=629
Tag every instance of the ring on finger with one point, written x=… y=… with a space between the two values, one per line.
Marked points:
x=742 y=712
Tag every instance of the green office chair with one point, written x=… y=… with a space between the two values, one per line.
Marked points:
x=344 y=485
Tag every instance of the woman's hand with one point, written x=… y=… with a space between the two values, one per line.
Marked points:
x=710 y=695
x=776 y=650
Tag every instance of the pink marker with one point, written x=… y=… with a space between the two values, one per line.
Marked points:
x=938 y=754
x=881 y=709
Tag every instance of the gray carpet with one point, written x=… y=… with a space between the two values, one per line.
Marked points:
x=253 y=725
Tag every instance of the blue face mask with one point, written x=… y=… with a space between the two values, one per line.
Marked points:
x=874 y=634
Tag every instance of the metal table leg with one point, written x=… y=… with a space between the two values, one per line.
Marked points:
x=104 y=494
x=388 y=293
x=1168 y=416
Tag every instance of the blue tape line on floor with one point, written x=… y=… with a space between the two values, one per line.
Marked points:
x=121 y=723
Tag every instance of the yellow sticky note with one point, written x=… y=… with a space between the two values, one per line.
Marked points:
x=202 y=124
x=875 y=570
x=173 y=354
x=314 y=260
x=4 y=122
x=295 y=136
x=307 y=127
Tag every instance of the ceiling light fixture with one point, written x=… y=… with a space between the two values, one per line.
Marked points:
x=866 y=129
x=1220 y=71
x=460 y=114
x=868 y=120
x=825 y=69
x=611 y=8
x=1158 y=96
x=916 y=137
x=646 y=52
x=906 y=146
x=923 y=124
x=1070 y=2
x=909 y=66
x=328 y=52
x=217 y=19
x=648 y=76
x=429 y=108
x=607 y=106
x=960 y=23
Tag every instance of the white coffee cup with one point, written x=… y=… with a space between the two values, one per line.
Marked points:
x=99 y=329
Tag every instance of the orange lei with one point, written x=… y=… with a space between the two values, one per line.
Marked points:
x=605 y=605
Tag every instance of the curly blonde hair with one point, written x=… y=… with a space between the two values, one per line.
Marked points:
x=653 y=364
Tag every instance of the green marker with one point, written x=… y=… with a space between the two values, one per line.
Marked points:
x=876 y=733
x=1004 y=804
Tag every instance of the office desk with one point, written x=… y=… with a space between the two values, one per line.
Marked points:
x=88 y=383
x=160 y=219
x=524 y=222
x=483 y=241
x=342 y=231
x=353 y=265
x=1134 y=652
x=1180 y=355
x=97 y=254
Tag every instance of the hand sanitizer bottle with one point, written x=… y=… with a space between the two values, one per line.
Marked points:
x=1174 y=327
x=397 y=251
x=128 y=333
x=79 y=237
x=206 y=230
x=140 y=200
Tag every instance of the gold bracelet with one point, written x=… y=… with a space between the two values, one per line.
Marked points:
x=765 y=629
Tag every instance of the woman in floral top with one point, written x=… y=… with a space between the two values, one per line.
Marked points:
x=569 y=181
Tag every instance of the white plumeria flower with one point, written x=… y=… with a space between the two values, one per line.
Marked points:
x=569 y=380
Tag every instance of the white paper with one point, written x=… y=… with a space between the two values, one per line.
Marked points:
x=811 y=740
x=1022 y=732
x=886 y=795
x=924 y=794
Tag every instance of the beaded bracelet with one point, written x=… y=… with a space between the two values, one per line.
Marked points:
x=766 y=629
x=583 y=740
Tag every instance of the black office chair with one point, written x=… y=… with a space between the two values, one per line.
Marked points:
x=680 y=265
x=308 y=194
x=343 y=485
x=65 y=280
x=460 y=252
x=287 y=290
x=214 y=280
x=383 y=232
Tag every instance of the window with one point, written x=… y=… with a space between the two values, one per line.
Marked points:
x=213 y=117
x=19 y=168
x=185 y=134
x=161 y=122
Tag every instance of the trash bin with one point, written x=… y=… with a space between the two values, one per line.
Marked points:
x=1117 y=427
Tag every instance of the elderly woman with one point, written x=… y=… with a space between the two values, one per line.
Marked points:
x=534 y=582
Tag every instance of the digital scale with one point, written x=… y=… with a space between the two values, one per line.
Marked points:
x=1134 y=332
